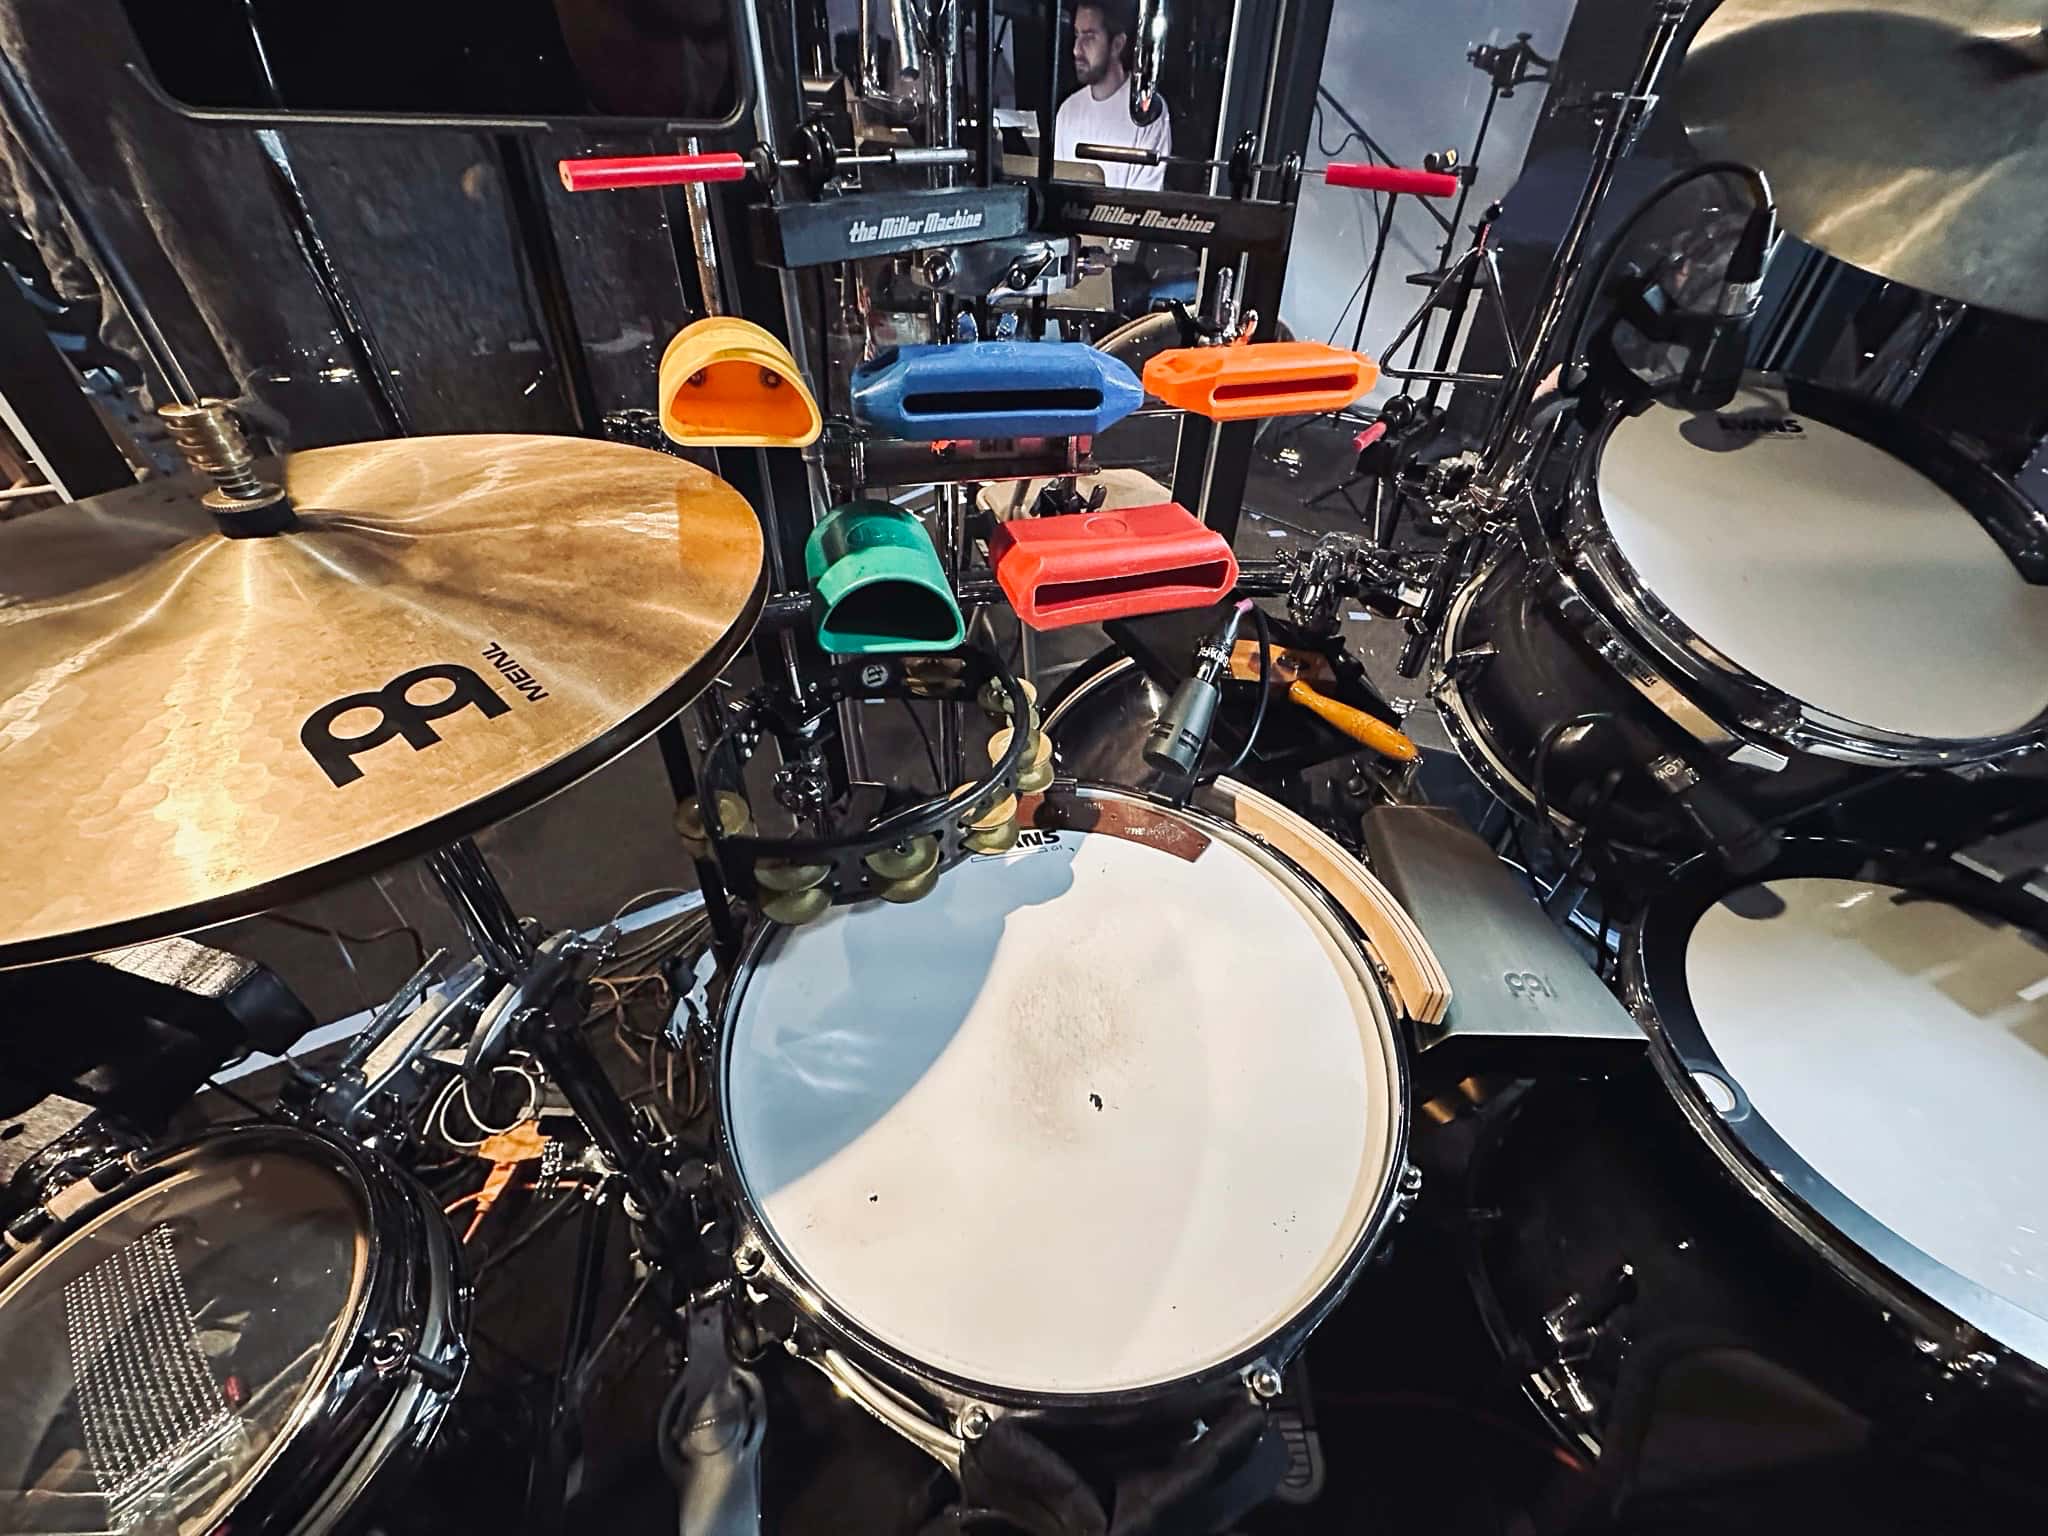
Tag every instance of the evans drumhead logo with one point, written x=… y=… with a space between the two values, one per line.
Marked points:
x=407 y=707
x=1760 y=426
x=1030 y=840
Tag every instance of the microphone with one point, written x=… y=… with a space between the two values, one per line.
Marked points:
x=1176 y=741
x=1742 y=844
x=1713 y=369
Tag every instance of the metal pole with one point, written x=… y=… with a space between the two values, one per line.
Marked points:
x=1504 y=468
x=60 y=172
x=368 y=357
x=852 y=740
x=478 y=901
x=703 y=242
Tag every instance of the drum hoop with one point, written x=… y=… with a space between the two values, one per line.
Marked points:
x=814 y=1304
x=1620 y=597
x=1468 y=740
x=1920 y=1293
x=300 y=1470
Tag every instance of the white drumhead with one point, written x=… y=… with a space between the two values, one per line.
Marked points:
x=1900 y=1046
x=1088 y=1118
x=1827 y=568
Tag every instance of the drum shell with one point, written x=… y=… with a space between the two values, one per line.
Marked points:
x=365 y=1429
x=1512 y=671
x=1575 y=1179
x=1571 y=1181
x=1729 y=695
x=939 y=1398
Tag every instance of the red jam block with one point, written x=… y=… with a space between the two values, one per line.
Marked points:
x=1090 y=567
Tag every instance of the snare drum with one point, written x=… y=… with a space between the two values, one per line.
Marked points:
x=1791 y=583
x=1098 y=1134
x=1850 y=1184
x=247 y=1332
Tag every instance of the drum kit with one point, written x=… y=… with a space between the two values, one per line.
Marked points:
x=1059 y=1151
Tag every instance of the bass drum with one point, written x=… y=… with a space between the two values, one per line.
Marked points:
x=1095 y=1138
x=1796 y=582
x=250 y=1332
x=1828 y=1187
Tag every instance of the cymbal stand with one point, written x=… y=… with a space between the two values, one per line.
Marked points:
x=1512 y=441
x=539 y=1004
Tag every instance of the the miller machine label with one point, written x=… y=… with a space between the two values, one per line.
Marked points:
x=875 y=223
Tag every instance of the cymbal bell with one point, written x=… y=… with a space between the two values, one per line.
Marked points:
x=195 y=727
x=1907 y=137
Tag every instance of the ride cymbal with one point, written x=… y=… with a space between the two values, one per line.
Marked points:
x=1907 y=137
x=195 y=727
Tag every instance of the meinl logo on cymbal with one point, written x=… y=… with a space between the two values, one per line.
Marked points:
x=402 y=715
x=514 y=673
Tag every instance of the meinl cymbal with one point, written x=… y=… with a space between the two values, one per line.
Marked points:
x=1907 y=137
x=195 y=727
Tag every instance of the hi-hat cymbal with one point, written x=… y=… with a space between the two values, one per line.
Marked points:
x=195 y=727
x=1908 y=137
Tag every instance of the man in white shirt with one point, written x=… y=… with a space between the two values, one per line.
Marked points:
x=1100 y=112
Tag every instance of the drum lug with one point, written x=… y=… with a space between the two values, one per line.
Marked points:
x=391 y=1352
x=1564 y=1394
x=973 y=1421
x=1407 y=1192
x=1576 y=1325
x=1262 y=1382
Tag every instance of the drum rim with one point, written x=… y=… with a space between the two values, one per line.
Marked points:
x=1920 y=1292
x=814 y=1304
x=1608 y=581
x=305 y=1481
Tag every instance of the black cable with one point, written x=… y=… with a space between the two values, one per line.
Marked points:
x=931 y=756
x=1603 y=263
x=419 y=947
x=1258 y=710
x=226 y=1092
x=538 y=1225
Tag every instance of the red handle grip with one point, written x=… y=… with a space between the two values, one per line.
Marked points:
x=650 y=171
x=1366 y=177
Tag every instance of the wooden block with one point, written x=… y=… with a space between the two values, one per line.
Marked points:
x=1422 y=989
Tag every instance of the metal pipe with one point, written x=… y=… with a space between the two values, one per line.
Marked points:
x=852 y=740
x=1504 y=464
x=1146 y=47
x=952 y=544
x=703 y=241
x=907 y=20
x=479 y=904
x=1052 y=89
x=947 y=68
x=376 y=375
x=60 y=172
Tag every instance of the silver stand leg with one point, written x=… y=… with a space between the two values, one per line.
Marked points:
x=714 y=1442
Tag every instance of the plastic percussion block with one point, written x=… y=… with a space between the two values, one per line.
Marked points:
x=1090 y=567
x=727 y=383
x=1250 y=381
x=982 y=389
x=879 y=584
